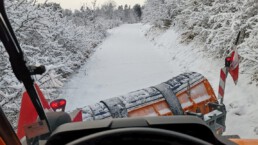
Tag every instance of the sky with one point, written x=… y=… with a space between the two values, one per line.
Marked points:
x=76 y=4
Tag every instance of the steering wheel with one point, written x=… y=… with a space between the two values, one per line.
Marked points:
x=138 y=135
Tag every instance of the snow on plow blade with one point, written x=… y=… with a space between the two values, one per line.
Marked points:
x=186 y=94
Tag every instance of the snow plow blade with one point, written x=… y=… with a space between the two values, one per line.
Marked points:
x=186 y=94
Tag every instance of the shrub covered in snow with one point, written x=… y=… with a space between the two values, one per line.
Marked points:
x=213 y=24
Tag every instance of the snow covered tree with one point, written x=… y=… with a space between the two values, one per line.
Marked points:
x=108 y=9
x=212 y=24
x=138 y=11
x=155 y=12
x=249 y=48
x=223 y=26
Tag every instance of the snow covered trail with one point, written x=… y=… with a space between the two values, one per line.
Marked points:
x=128 y=61
x=125 y=62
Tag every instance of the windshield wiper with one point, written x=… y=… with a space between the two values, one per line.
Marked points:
x=21 y=71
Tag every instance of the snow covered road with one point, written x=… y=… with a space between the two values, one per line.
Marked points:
x=127 y=61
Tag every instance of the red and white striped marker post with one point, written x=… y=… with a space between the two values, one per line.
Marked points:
x=231 y=67
x=222 y=83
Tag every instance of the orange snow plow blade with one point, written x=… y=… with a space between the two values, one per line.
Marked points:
x=245 y=141
x=198 y=99
x=194 y=101
x=185 y=94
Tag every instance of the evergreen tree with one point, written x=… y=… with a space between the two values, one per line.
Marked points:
x=138 y=11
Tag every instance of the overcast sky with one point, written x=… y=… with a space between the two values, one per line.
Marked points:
x=76 y=4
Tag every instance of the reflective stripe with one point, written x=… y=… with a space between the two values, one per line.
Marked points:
x=222 y=82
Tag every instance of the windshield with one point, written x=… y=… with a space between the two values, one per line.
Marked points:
x=101 y=56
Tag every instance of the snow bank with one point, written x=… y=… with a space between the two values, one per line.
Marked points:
x=241 y=100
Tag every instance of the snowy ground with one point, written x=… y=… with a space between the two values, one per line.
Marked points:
x=127 y=61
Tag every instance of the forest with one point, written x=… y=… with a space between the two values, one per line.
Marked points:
x=60 y=39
